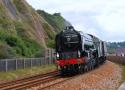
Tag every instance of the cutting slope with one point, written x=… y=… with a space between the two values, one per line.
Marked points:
x=23 y=32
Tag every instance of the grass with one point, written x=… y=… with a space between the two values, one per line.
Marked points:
x=123 y=73
x=11 y=75
x=20 y=6
x=50 y=33
x=55 y=20
x=5 y=22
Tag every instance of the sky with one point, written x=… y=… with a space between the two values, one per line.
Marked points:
x=103 y=18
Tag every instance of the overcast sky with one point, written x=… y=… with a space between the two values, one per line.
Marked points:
x=103 y=18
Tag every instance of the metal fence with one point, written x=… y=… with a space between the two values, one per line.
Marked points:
x=14 y=64
x=117 y=59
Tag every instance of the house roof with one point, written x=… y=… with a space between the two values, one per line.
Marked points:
x=120 y=50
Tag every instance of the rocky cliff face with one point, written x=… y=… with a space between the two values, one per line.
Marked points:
x=20 y=11
x=23 y=32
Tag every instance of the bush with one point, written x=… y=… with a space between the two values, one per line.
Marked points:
x=40 y=53
x=21 y=45
x=12 y=41
x=32 y=47
x=51 y=43
x=6 y=52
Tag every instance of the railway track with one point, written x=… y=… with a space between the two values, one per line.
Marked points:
x=58 y=82
x=30 y=81
x=65 y=78
x=106 y=77
x=36 y=80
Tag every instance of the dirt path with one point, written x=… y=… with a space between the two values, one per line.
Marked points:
x=106 y=77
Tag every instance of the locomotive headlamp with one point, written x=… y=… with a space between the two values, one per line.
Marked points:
x=57 y=55
x=78 y=53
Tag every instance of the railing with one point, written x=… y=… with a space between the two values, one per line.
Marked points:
x=117 y=59
x=22 y=63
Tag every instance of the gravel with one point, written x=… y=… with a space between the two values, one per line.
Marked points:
x=106 y=77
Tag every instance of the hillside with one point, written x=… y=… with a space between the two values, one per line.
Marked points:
x=113 y=46
x=23 y=32
x=55 y=20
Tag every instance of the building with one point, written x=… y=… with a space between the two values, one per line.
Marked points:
x=120 y=52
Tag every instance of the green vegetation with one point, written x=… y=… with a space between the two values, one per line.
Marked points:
x=51 y=43
x=20 y=46
x=26 y=72
x=19 y=36
x=16 y=39
x=51 y=35
x=111 y=50
x=6 y=51
x=20 y=6
x=115 y=45
x=55 y=20
x=123 y=73
x=5 y=22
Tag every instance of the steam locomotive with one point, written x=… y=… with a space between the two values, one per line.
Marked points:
x=78 y=52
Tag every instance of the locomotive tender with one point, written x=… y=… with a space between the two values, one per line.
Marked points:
x=78 y=52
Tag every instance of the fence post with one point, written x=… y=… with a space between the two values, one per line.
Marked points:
x=47 y=59
x=16 y=64
x=44 y=60
x=41 y=61
x=24 y=63
x=46 y=53
x=51 y=56
x=48 y=56
x=31 y=64
x=6 y=68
